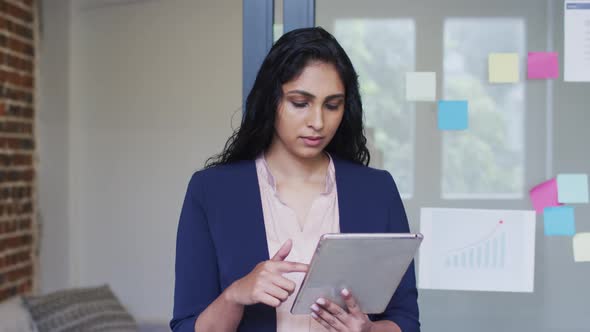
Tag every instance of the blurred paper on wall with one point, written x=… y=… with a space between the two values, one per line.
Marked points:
x=576 y=41
x=421 y=86
x=559 y=220
x=503 y=68
x=453 y=115
x=542 y=65
x=581 y=243
x=544 y=195
x=477 y=250
x=572 y=188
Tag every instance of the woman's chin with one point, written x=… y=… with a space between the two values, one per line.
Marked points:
x=309 y=152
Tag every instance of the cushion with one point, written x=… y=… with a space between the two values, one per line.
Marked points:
x=14 y=316
x=81 y=309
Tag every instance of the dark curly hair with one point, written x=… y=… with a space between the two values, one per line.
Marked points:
x=285 y=61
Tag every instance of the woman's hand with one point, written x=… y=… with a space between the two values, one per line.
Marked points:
x=334 y=318
x=266 y=284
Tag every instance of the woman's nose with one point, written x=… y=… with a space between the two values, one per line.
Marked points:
x=315 y=118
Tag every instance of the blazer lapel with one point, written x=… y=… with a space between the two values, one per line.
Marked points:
x=249 y=241
x=348 y=199
x=250 y=229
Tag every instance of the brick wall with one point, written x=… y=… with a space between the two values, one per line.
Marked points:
x=18 y=239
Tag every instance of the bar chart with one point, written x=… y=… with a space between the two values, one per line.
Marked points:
x=487 y=253
x=477 y=250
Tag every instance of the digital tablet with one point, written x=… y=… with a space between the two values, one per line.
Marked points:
x=370 y=266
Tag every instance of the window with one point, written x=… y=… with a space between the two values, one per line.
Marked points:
x=487 y=160
x=389 y=118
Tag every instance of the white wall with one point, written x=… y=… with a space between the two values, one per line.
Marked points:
x=153 y=87
x=52 y=140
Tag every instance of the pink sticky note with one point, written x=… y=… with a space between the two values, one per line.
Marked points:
x=544 y=195
x=541 y=65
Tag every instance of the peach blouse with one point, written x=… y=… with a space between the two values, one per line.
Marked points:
x=281 y=224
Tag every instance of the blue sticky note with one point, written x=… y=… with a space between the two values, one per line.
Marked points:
x=452 y=115
x=572 y=188
x=559 y=220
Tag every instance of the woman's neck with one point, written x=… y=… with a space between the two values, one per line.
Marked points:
x=284 y=164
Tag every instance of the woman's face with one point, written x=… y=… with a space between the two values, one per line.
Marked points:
x=310 y=111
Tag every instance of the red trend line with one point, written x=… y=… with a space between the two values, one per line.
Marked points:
x=485 y=238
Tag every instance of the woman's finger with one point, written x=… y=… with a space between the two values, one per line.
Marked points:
x=286 y=267
x=277 y=292
x=335 y=310
x=332 y=321
x=269 y=300
x=322 y=322
x=283 y=283
x=351 y=304
x=283 y=252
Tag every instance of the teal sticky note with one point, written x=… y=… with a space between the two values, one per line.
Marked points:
x=572 y=188
x=452 y=115
x=559 y=220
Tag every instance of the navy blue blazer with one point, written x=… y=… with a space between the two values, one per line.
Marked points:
x=218 y=243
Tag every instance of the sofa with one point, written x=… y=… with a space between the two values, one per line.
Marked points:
x=81 y=309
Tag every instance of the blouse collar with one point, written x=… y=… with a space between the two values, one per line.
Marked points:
x=268 y=178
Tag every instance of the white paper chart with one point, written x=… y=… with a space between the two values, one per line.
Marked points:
x=576 y=41
x=478 y=250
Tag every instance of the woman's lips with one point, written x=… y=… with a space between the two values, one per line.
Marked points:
x=313 y=141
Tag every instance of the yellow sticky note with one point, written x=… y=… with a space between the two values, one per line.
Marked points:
x=503 y=68
x=582 y=247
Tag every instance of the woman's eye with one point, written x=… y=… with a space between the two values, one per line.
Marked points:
x=332 y=107
x=299 y=105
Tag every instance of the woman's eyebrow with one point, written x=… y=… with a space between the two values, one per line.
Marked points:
x=301 y=92
x=336 y=96
x=311 y=96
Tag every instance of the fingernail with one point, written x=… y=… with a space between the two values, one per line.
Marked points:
x=345 y=292
x=314 y=315
x=321 y=301
x=314 y=307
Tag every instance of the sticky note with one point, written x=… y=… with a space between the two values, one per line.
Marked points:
x=452 y=115
x=544 y=195
x=503 y=67
x=572 y=188
x=582 y=247
x=542 y=65
x=421 y=86
x=559 y=220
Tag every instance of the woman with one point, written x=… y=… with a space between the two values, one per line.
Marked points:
x=294 y=170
